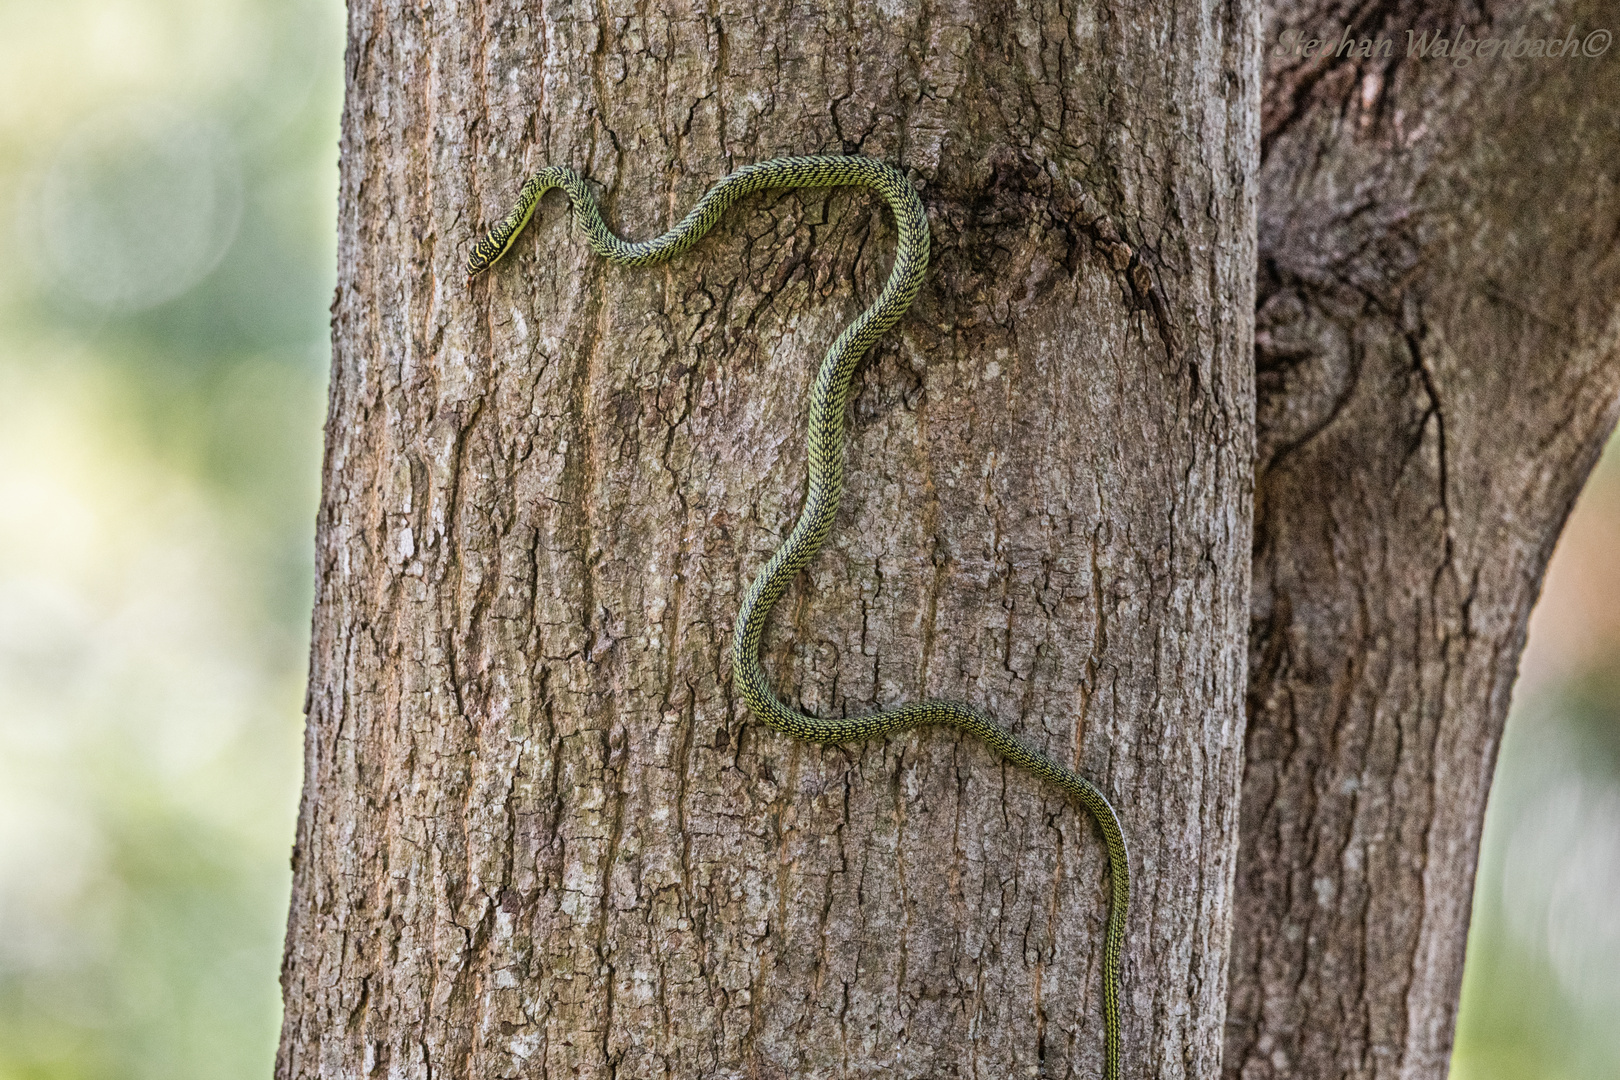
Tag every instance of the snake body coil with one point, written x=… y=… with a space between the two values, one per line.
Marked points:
x=828 y=399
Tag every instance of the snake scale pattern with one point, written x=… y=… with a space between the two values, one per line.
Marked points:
x=828 y=400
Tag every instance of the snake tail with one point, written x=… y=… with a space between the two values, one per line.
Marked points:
x=829 y=398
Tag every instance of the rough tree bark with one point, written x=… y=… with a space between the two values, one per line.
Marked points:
x=1438 y=344
x=538 y=835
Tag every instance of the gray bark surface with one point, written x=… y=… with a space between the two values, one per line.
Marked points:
x=538 y=837
x=1438 y=351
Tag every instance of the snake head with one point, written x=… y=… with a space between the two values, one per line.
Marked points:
x=498 y=241
x=483 y=255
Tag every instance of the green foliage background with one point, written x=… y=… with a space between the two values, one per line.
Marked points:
x=168 y=176
x=167 y=200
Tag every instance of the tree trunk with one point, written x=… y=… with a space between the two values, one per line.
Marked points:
x=1438 y=345
x=539 y=836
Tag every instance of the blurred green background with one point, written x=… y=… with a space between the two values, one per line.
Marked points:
x=168 y=176
x=167 y=200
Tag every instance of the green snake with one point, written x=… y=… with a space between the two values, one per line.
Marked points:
x=828 y=399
